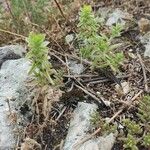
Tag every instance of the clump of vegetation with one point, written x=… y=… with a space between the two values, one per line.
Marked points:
x=139 y=133
x=98 y=47
x=33 y=10
x=38 y=54
x=97 y=121
x=20 y=16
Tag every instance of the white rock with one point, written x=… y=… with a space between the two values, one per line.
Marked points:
x=146 y=41
x=100 y=143
x=75 y=68
x=79 y=127
x=147 y=50
x=11 y=52
x=120 y=126
x=69 y=38
x=116 y=17
x=13 y=73
x=80 y=124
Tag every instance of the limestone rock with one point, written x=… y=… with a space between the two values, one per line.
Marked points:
x=13 y=74
x=79 y=127
x=11 y=52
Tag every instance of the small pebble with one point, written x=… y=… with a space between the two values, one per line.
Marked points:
x=144 y=25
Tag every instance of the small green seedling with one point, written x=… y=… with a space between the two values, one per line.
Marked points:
x=97 y=121
x=97 y=47
x=139 y=133
x=38 y=54
x=130 y=142
x=146 y=140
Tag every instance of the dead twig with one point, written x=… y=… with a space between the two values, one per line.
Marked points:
x=59 y=59
x=103 y=79
x=80 y=76
x=60 y=9
x=128 y=104
x=63 y=110
x=144 y=73
x=125 y=106
x=92 y=95
x=12 y=33
x=8 y=102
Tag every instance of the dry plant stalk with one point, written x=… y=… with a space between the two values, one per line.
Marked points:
x=50 y=95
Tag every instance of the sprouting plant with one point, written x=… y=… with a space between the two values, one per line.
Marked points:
x=98 y=47
x=132 y=126
x=146 y=140
x=142 y=128
x=95 y=118
x=97 y=121
x=130 y=142
x=88 y=25
x=144 y=109
x=116 y=30
x=38 y=54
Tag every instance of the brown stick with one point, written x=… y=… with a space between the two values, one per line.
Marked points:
x=12 y=33
x=92 y=95
x=8 y=7
x=144 y=72
x=128 y=104
x=59 y=7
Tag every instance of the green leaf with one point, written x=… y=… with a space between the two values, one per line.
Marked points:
x=38 y=54
x=132 y=126
x=130 y=143
x=146 y=140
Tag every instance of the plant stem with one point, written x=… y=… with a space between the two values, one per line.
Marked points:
x=59 y=7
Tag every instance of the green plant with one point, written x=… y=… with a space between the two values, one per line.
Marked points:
x=33 y=10
x=38 y=54
x=146 y=140
x=144 y=110
x=132 y=126
x=116 y=30
x=98 y=48
x=130 y=142
x=97 y=121
x=22 y=14
x=142 y=128
x=95 y=118
x=88 y=25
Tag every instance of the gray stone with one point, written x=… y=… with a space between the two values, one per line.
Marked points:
x=100 y=143
x=11 y=52
x=75 y=67
x=13 y=75
x=116 y=17
x=78 y=130
x=80 y=124
x=145 y=40
x=69 y=38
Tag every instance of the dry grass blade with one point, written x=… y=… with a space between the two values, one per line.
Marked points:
x=50 y=95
